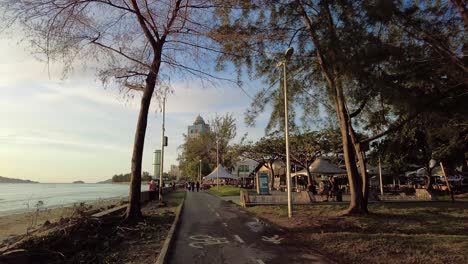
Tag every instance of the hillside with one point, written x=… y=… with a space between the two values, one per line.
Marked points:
x=12 y=180
x=106 y=181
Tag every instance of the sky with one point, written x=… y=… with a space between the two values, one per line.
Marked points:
x=62 y=130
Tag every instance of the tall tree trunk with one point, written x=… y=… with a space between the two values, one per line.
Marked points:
x=364 y=177
x=429 y=179
x=362 y=166
x=355 y=182
x=332 y=75
x=272 y=173
x=309 y=176
x=134 y=209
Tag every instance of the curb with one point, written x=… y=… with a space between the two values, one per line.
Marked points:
x=115 y=210
x=163 y=255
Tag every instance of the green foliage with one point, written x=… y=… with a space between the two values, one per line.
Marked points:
x=126 y=177
x=204 y=147
x=394 y=60
x=433 y=136
x=228 y=190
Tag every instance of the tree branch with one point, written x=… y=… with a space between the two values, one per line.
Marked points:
x=144 y=27
x=398 y=126
x=357 y=111
x=94 y=41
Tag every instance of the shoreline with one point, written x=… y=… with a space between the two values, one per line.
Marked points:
x=32 y=209
x=18 y=223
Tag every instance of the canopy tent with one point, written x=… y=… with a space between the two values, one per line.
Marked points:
x=299 y=173
x=436 y=171
x=220 y=172
x=374 y=170
x=321 y=166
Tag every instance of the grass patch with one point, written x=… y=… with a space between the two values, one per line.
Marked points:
x=228 y=190
x=173 y=199
x=458 y=198
x=392 y=233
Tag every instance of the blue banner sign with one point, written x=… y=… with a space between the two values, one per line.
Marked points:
x=263 y=183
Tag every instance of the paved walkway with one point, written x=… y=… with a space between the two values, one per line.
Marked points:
x=215 y=231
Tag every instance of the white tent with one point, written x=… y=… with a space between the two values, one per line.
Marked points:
x=299 y=173
x=374 y=170
x=437 y=171
x=220 y=172
x=321 y=166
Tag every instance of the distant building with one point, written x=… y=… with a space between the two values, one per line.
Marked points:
x=245 y=168
x=175 y=172
x=199 y=127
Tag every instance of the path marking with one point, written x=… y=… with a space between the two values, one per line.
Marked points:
x=274 y=239
x=218 y=215
x=259 y=261
x=238 y=238
x=255 y=226
x=205 y=240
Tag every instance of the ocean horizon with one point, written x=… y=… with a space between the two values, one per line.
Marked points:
x=22 y=197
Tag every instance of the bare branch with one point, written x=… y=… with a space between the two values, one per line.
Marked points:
x=119 y=52
x=144 y=27
x=361 y=106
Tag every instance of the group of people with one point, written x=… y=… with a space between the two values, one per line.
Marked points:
x=154 y=189
x=192 y=185
x=330 y=190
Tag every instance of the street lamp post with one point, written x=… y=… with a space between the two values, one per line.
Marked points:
x=287 y=55
x=217 y=164
x=199 y=173
x=161 y=169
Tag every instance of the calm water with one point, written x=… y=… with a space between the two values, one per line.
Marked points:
x=15 y=197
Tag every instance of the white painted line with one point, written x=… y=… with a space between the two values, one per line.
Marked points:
x=238 y=238
x=217 y=215
x=259 y=261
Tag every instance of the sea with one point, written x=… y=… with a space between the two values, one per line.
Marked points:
x=22 y=197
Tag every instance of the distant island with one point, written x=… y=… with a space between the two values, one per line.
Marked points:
x=12 y=180
x=78 y=182
x=125 y=178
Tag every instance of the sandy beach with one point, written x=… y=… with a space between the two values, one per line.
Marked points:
x=18 y=224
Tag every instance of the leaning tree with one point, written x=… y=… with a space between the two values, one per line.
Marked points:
x=376 y=64
x=135 y=45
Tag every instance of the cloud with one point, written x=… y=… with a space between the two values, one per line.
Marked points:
x=64 y=143
x=90 y=130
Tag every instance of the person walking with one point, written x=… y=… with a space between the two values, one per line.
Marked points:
x=323 y=190
x=192 y=186
x=334 y=188
x=152 y=190
x=198 y=186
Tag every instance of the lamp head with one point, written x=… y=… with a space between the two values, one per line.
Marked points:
x=289 y=52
